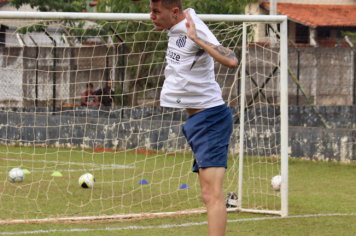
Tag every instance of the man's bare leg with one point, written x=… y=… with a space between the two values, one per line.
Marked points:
x=211 y=181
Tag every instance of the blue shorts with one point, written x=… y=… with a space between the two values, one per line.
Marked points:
x=208 y=134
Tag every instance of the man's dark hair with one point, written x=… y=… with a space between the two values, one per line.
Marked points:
x=90 y=85
x=107 y=82
x=169 y=4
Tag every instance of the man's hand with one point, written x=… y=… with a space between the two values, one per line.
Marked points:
x=191 y=30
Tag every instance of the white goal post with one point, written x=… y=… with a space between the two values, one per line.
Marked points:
x=253 y=194
x=284 y=119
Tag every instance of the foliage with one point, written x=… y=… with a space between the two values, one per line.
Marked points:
x=57 y=5
x=351 y=35
x=201 y=6
x=122 y=6
x=218 y=7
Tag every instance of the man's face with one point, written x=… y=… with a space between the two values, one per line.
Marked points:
x=90 y=89
x=161 y=17
x=110 y=84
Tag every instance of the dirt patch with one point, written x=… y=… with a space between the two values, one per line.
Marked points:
x=8 y=187
x=101 y=149
x=144 y=152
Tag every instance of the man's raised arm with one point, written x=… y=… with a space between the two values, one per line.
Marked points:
x=221 y=54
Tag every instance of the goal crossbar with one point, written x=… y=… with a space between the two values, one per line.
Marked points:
x=132 y=16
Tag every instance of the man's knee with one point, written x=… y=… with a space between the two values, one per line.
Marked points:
x=206 y=195
x=209 y=194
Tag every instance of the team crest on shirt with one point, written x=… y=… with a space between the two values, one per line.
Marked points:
x=181 y=40
x=178 y=100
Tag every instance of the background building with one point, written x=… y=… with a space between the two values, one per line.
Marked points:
x=313 y=22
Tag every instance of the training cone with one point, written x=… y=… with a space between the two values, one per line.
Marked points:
x=143 y=181
x=57 y=174
x=184 y=186
x=26 y=171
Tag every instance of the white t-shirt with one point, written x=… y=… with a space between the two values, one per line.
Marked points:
x=190 y=77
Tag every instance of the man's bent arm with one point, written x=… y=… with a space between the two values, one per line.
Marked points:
x=221 y=54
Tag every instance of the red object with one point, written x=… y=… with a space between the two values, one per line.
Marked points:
x=144 y=152
x=101 y=149
x=318 y=15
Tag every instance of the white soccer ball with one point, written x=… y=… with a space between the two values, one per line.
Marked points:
x=276 y=182
x=16 y=175
x=86 y=180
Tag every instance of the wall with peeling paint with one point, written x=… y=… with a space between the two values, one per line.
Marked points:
x=326 y=74
x=304 y=116
x=75 y=67
x=335 y=116
x=323 y=144
x=160 y=128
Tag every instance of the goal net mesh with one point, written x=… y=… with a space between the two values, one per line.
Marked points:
x=135 y=149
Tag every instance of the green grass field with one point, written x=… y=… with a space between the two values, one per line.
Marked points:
x=314 y=188
x=116 y=190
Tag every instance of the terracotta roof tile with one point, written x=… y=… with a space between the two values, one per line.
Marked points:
x=93 y=3
x=318 y=15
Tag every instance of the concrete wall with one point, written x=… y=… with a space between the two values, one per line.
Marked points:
x=323 y=144
x=160 y=128
x=31 y=129
x=259 y=30
x=45 y=76
x=87 y=64
x=11 y=86
x=320 y=2
x=75 y=67
x=340 y=117
x=7 y=7
x=326 y=74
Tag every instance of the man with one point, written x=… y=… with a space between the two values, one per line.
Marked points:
x=88 y=97
x=190 y=83
x=106 y=95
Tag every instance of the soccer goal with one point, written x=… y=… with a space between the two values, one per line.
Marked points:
x=57 y=122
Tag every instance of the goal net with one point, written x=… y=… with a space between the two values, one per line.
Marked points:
x=55 y=128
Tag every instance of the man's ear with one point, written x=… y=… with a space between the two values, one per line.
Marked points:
x=175 y=11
